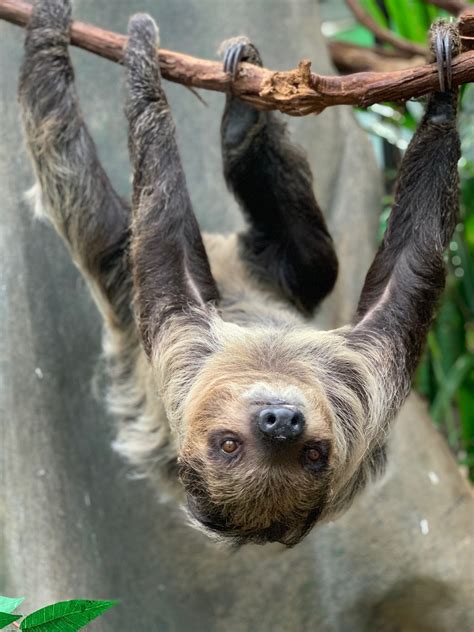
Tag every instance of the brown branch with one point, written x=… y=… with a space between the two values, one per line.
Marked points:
x=466 y=25
x=451 y=6
x=383 y=34
x=354 y=58
x=296 y=92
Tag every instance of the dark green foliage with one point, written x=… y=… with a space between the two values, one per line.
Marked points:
x=6 y=619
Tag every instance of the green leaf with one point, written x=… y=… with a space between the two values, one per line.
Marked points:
x=465 y=400
x=7 y=618
x=451 y=384
x=356 y=35
x=450 y=331
x=435 y=353
x=467 y=265
x=399 y=17
x=9 y=605
x=424 y=381
x=371 y=7
x=419 y=22
x=65 y=616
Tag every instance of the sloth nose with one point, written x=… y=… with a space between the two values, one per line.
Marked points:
x=279 y=423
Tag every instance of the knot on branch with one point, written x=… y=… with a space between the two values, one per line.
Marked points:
x=289 y=82
x=292 y=89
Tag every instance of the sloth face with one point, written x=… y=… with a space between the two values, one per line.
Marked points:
x=276 y=432
x=257 y=458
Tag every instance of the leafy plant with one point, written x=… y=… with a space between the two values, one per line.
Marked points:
x=65 y=616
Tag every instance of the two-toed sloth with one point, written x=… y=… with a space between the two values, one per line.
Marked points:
x=218 y=375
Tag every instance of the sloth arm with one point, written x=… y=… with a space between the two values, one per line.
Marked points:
x=287 y=243
x=171 y=272
x=408 y=274
x=75 y=191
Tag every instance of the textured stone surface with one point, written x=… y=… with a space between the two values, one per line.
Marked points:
x=71 y=523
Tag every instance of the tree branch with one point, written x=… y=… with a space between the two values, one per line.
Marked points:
x=354 y=58
x=295 y=92
x=451 y=6
x=385 y=35
x=466 y=27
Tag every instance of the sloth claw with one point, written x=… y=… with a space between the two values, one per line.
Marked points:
x=232 y=57
x=445 y=44
x=236 y=50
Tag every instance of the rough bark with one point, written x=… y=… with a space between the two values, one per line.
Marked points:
x=451 y=6
x=350 y=58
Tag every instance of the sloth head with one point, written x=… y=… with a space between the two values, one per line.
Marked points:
x=270 y=440
x=257 y=458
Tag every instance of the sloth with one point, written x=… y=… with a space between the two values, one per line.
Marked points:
x=219 y=377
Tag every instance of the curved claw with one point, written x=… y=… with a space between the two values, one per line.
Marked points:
x=439 y=52
x=448 y=53
x=445 y=44
x=236 y=50
x=232 y=57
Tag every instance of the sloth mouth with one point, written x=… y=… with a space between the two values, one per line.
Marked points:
x=217 y=525
x=279 y=531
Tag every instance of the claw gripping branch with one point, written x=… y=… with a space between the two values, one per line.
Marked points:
x=445 y=45
x=292 y=92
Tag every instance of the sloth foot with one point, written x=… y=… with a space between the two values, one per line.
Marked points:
x=144 y=36
x=445 y=43
x=50 y=21
x=141 y=57
x=238 y=49
x=142 y=63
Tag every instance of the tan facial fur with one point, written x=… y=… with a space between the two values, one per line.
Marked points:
x=265 y=491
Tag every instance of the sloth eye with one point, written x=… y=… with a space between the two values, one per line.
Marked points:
x=224 y=444
x=316 y=455
x=313 y=455
x=229 y=446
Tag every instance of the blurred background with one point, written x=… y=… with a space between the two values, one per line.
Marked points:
x=446 y=375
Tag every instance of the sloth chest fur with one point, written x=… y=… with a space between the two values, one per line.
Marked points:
x=244 y=300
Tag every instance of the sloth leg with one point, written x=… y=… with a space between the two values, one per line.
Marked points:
x=170 y=266
x=407 y=276
x=287 y=243
x=75 y=191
